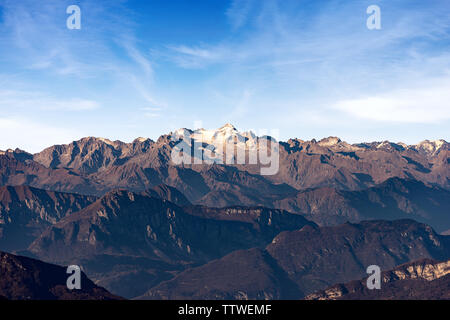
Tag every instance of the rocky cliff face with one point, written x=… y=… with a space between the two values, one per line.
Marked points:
x=16 y=170
x=428 y=270
x=423 y=279
x=90 y=154
x=26 y=212
x=169 y=193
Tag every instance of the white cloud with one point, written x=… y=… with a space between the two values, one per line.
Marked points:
x=196 y=52
x=283 y=60
x=31 y=136
x=200 y=56
x=70 y=105
x=140 y=59
x=412 y=105
x=16 y=100
x=91 y=54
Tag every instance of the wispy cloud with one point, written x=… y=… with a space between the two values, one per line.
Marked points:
x=142 y=61
x=265 y=63
x=199 y=57
x=411 y=105
x=39 y=41
x=26 y=101
x=328 y=35
x=312 y=54
x=239 y=11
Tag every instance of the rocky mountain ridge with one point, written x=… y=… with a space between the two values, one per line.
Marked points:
x=95 y=166
x=424 y=279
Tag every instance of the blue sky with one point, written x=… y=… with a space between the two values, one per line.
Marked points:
x=307 y=68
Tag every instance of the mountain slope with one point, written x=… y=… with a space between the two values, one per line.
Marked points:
x=144 y=240
x=122 y=222
x=420 y=280
x=25 y=212
x=17 y=169
x=308 y=260
x=241 y=275
x=312 y=164
x=393 y=199
x=90 y=154
x=169 y=193
x=23 y=278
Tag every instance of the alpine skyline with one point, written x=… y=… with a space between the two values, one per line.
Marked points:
x=143 y=68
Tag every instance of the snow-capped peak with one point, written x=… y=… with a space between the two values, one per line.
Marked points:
x=430 y=146
x=225 y=135
x=227 y=127
x=140 y=139
x=107 y=141
x=330 y=141
x=182 y=133
x=383 y=144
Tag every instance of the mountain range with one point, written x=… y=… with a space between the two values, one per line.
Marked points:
x=298 y=263
x=395 y=198
x=123 y=226
x=144 y=227
x=97 y=165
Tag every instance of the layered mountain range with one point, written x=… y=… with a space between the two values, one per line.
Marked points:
x=298 y=263
x=26 y=212
x=97 y=165
x=143 y=226
x=123 y=226
x=395 y=198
